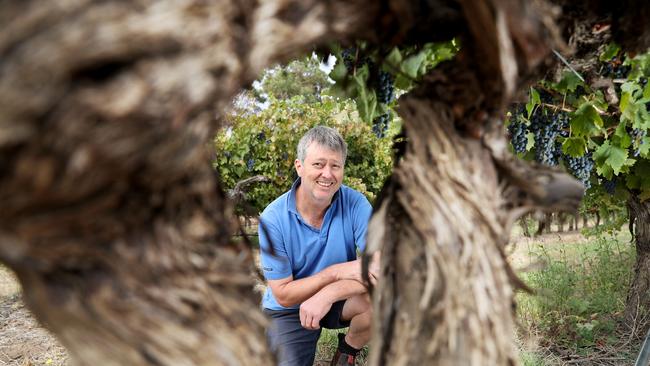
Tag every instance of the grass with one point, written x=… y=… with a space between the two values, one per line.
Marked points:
x=581 y=290
x=580 y=300
x=327 y=344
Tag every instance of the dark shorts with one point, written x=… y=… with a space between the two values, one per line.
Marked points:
x=294 y=344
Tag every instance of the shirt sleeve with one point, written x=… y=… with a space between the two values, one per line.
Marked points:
x=362 y=213
x=273 y=254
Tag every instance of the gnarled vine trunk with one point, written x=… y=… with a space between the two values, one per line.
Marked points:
x=638 y=298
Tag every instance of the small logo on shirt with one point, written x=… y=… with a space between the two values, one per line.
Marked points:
x=268 y=269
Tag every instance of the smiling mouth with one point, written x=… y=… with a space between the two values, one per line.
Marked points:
x=325 y=185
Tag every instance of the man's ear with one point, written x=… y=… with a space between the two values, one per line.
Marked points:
x=298 y=165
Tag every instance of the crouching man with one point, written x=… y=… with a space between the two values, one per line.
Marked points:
x=309 y=238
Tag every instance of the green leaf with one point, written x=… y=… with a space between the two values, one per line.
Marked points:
x=646 y=91
x=641 y=118
x=532 y=101
x=644 y=147
x=574 y=146
x=366 y=99
x=610 y=51
x=621 y=137
x=339 y=72
x=626 y=99
x=569 y=82
x=586 y=121
x=530 y=137
x=630 y=87
x=639 y=177
x=412 y=64
x=611 y=159
x=394 y=58
x=403 y=82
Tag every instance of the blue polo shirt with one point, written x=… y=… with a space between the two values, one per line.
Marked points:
x=301 y=250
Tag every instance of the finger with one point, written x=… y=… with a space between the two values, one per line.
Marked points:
x=373 y=280
x=303 y=320
x=308 y=323
x=315 y=323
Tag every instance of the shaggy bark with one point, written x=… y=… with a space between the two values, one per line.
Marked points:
x=423 y=312
x=112 y=217
x=457 y=154
x=638 y=298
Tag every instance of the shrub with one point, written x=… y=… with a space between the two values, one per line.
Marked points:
x=265 y=143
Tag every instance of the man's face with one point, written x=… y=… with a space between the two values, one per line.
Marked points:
x=321 y=172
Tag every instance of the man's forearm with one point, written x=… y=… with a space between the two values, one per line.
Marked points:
x=342 y=290
x=297 y=291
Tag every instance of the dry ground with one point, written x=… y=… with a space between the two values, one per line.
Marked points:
x=23 y=342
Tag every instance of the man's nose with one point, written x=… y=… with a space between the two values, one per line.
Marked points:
x=327 y=171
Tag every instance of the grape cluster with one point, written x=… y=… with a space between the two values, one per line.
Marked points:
x=580 y=167
x=518 y=138
x=637 y=136
x=545 y=97
x=250 y=164
x=349 y=56
x=545 y=126
x=385 y=89
x=563 y=118
x=610 y=185
x=517 y=129
x=615 y=69
x=380 y=125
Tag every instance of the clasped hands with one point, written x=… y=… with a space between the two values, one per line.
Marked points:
x=314 y=309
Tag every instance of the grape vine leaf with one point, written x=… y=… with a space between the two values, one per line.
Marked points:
x=339 y=71
x=646 y=91
x=640 y=178
x=610 y=51
x=586 y=121
x=574 y=146
x=532 y=101
x=394 y=58
x=621 y=137
x=644 y=147
x=611 y=159
x=412 y=64
x=569 y=82
x=530 y=141
x=366 y=99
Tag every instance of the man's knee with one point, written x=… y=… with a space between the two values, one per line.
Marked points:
x=357 y=306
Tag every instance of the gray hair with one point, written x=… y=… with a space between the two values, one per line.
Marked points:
x=324 y=136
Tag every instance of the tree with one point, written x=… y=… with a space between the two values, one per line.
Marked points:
x=115 y=223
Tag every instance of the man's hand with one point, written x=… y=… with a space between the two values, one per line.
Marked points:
x=374 y=268
x=352 y=270
x=313 y=310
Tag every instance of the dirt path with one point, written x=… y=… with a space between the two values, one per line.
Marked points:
x=23 y=342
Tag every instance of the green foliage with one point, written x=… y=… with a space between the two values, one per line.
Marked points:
x=582 y=291
x=611 y=129
x=407 y=64
x=265 y=144
x=300 y=78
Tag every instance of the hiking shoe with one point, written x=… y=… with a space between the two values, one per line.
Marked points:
x=342 y=359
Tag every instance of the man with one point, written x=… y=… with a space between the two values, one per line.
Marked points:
x=308 y=240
